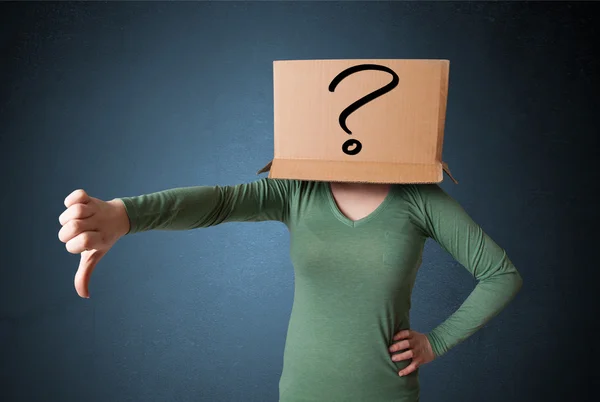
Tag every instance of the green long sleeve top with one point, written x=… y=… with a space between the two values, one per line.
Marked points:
x=353 y=279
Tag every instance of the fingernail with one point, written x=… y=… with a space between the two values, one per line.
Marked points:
x=400 y=374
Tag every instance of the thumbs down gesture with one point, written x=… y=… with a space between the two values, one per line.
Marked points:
x=90 y=227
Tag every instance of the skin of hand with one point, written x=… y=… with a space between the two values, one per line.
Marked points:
x=90 y=227
x=412 y=345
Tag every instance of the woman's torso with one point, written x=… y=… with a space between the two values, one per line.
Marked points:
x=353 y=284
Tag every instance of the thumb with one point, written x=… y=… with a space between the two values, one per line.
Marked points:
x=89 y=259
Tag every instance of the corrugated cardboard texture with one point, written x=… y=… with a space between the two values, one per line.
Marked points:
x=400 y=127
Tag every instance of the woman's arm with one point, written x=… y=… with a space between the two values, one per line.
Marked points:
x=445 y=221
x=203 y=206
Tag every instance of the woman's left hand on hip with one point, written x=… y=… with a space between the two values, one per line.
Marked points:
x=412 y=345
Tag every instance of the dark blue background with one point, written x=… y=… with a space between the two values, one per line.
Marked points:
x=129 y=98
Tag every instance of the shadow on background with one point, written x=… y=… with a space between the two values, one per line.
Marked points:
x=126 y=98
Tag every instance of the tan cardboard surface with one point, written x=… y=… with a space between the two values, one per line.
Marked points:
x=379 y=121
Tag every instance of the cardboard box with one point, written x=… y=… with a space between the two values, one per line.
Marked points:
x=372 y=120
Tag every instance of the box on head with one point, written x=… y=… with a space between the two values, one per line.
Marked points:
x=361 y=120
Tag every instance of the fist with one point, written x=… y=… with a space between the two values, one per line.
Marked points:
x=90 y=227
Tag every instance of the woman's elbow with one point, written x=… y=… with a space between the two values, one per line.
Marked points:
x=517 y=282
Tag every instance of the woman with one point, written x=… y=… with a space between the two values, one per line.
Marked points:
x=356 y=249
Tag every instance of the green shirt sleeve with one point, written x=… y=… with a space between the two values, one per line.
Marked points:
x=445 y=221
x=203 y=206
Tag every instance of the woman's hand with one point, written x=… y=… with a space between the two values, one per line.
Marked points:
x=412 y=345
x=90 y=227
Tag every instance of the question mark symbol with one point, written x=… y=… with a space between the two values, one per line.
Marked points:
x=362 y=101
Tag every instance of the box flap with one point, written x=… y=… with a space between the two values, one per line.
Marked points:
x=330 y=172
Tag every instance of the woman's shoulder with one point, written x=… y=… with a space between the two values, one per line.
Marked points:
x=426 y=198
x=421 y=192
x=296 y=188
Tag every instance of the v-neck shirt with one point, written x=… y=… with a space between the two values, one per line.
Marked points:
x=353 y=278
x=356 y=222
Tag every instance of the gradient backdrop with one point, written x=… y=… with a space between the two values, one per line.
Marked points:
x=126 y=98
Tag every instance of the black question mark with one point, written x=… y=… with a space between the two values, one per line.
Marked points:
x=362 y=101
